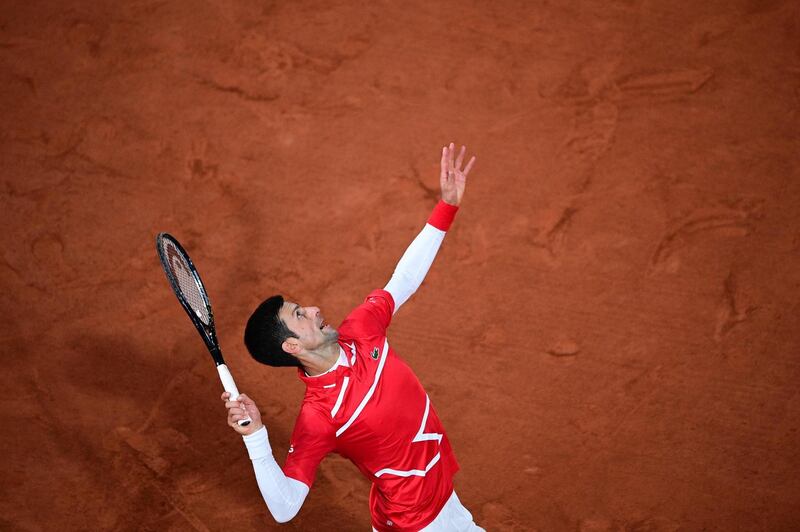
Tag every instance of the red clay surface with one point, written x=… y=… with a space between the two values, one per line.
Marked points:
x=610 y=333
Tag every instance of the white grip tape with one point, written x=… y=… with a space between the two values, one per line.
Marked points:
x=230 y=386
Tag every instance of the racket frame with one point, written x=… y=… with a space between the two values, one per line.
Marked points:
x=208 y=331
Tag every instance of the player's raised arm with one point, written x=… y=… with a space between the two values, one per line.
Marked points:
x=417 y=259
x=283 y=495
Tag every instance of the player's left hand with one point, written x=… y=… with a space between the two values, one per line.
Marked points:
x=452 y=178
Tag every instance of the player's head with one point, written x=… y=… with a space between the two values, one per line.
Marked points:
x=279 y=332
x=265 y=333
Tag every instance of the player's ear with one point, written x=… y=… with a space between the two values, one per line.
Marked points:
x=291 y=345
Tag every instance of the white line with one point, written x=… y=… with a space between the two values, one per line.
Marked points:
x=422 y=436
x=340 y=398
x=413 y=472
x=369 y=393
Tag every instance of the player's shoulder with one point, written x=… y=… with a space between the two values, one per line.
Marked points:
x=380 y=297
x=372 y=316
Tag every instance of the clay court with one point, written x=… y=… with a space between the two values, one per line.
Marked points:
x=610 y=333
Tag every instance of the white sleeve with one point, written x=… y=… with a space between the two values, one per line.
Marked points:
x=284 y=496
x=414 y=264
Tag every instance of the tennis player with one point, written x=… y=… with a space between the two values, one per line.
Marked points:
x=362 y=400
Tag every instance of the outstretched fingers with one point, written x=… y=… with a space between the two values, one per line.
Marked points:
x=469 y=166
x=443 y=172
x=451 y=152
x=460 y=158
x=452 y=177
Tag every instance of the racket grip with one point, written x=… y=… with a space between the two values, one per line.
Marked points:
x=230 y=387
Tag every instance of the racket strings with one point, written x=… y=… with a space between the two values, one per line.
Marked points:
x=179 y=267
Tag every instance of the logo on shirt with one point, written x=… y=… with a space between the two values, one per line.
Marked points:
x=374 y=353
x=291 y=448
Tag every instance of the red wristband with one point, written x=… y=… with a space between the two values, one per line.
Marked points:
x=442 y=215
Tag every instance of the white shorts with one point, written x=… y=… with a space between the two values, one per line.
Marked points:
x=452 y=518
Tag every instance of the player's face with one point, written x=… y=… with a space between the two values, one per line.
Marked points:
x=308 y=324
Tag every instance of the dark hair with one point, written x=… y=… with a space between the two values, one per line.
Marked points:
x=265 y=333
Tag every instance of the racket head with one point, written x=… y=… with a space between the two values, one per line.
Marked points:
x=189 y=289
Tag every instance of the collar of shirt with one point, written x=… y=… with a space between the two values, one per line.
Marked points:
x=329 y=376
x=341 y=361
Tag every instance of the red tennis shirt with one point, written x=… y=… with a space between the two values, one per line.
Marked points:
x=377 y=414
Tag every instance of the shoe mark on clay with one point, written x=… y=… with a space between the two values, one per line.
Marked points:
x=427 y=191
x=74 y=161
x=496 y=516
x=353 y=39
x=236 y=90
x=714 y=28
x=730 y=311
x=255 y=70
x=199 y=164
x=93 y=147
x=738 y=219
x=86 y=37
x=563 y=347
x=663 y=83
x=587 y=82
x=143 y=462
x=587 y=90
x=592 y=132
x=352 y=47
x=259 y=68
x=48 y=253
x=201 y=170
x=146 y=450
x=551 y=236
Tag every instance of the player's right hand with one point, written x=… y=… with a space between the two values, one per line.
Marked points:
x=240 y=409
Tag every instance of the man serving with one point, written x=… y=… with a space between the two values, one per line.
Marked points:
x=362 y=400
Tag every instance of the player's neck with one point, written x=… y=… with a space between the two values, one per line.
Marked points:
x=321 y=360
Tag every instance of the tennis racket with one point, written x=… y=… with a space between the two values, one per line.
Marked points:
x=186 y=283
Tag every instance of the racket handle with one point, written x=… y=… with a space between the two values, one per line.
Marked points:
x=230 y=387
